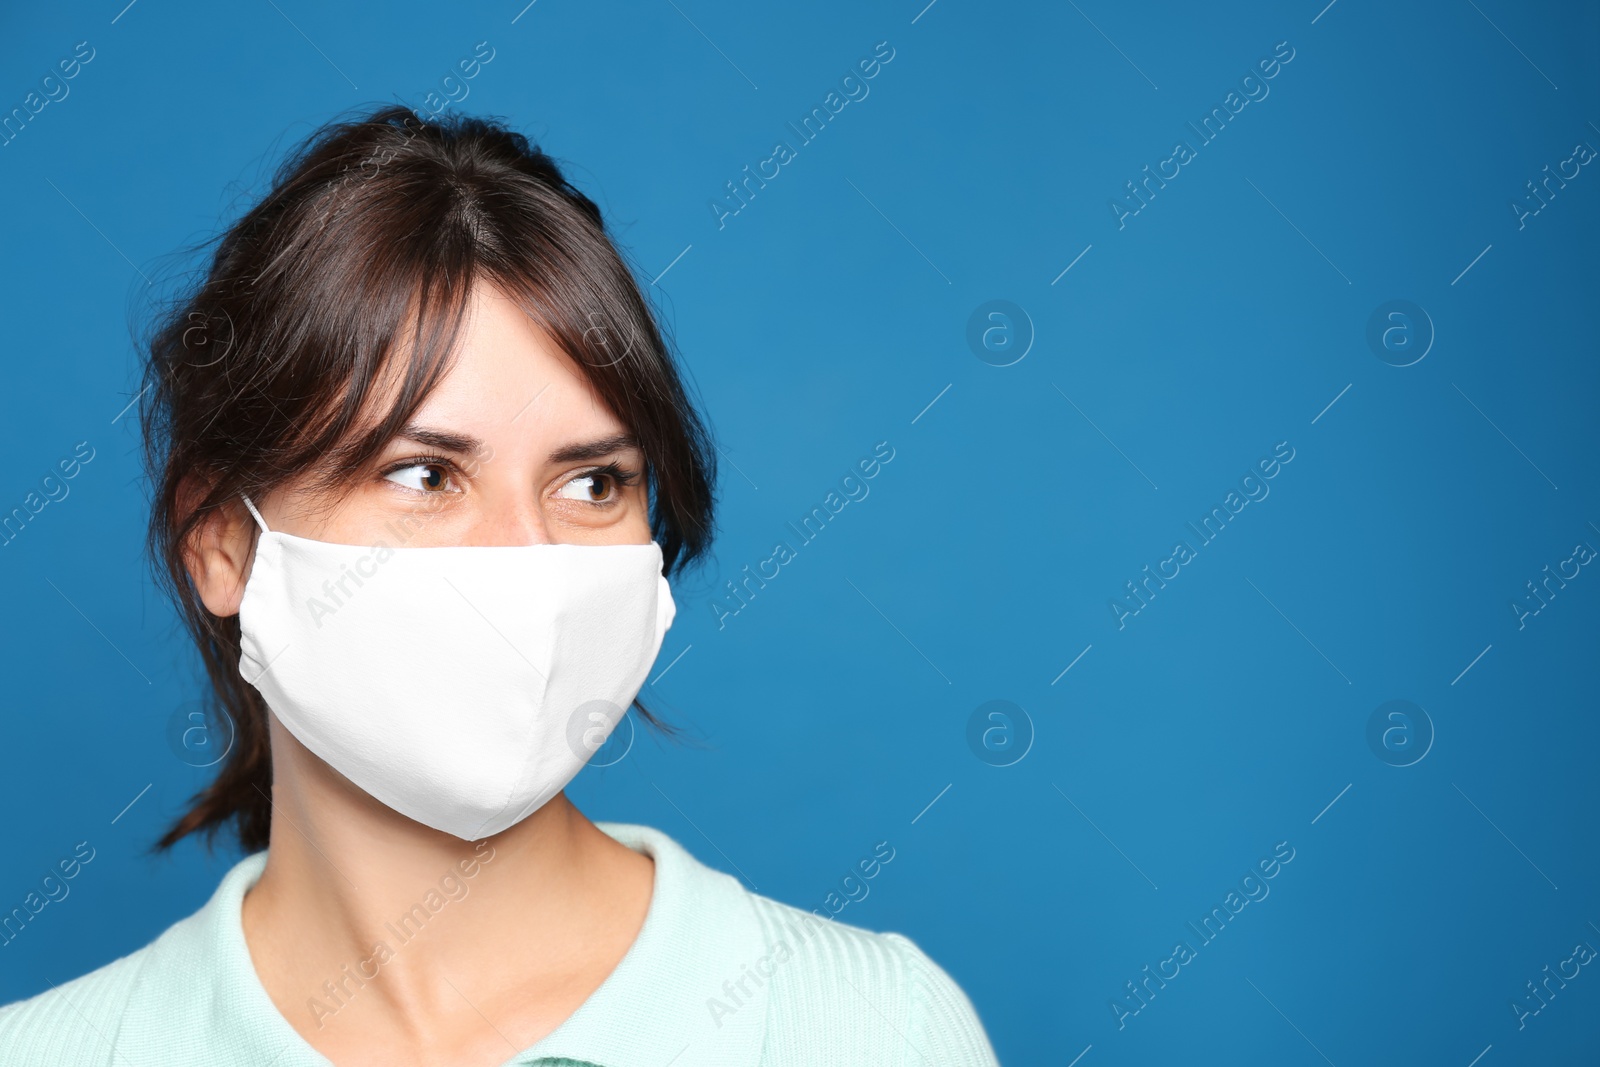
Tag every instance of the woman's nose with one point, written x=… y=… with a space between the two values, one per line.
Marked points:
x=509 y=523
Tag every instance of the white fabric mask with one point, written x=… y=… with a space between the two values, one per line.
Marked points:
x=462 y=686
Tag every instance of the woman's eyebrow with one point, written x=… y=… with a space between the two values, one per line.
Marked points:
x=595 y=449
x=443 y=440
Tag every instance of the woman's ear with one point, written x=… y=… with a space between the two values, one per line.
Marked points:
x=219 y=549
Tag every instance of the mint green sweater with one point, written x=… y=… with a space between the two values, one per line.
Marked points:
x=717 y=976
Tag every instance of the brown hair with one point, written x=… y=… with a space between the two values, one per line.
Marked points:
x=262 y=371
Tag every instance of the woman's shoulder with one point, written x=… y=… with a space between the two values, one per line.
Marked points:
x=75 y=1022
x=131 y=1001
x=777 y=985
x=883 y=998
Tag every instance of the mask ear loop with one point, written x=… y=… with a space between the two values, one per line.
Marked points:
x=259 y=520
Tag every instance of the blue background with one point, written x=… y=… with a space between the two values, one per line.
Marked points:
x=1229 y=314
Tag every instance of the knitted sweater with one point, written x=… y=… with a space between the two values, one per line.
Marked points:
x=717 y=976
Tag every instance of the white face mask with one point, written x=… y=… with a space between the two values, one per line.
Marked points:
x=462 y=686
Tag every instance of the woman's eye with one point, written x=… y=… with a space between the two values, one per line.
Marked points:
x=593 y=488
x=423 y=477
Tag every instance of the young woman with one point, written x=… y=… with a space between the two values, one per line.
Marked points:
x=422 y=462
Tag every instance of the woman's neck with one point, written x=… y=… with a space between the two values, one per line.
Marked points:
x=375 y=934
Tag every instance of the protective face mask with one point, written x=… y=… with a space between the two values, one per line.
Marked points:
x=462 y=686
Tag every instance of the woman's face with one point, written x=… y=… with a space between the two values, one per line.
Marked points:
x=513 y=447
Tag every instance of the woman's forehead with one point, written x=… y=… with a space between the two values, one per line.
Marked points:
x=507 y=377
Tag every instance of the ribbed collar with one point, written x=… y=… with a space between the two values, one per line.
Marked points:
x=700 y=933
